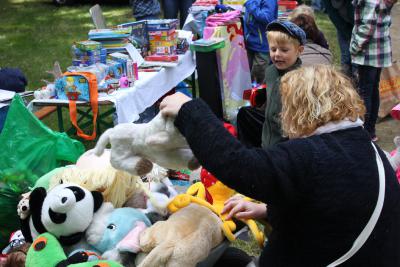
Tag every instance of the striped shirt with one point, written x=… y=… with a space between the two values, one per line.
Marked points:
x=370 y=40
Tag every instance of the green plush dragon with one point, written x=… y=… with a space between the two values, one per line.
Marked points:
x=46 y=251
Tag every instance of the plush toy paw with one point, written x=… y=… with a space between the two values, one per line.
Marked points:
x=143 y=166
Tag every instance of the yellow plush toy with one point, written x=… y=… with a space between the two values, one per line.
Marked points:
x=212 y=194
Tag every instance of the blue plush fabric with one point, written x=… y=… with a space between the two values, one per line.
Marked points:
x=12 y=79
x=123 y=221
x=3 y=116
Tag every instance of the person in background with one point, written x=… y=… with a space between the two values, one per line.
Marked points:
x=370 y=50
x=258 y=14
x=313 y=53
x=323 y=186
x=260 y=125
x=146 y=9
x=304 y=9
x=341 y=13
x=173 y=7
x=318 y=5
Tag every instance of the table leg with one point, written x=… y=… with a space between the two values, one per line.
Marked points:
x=193 y=84
x=208 y=81
x=98 y=122
x=60 y=119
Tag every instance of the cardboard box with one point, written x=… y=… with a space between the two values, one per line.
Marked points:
x=88 y=45
x=161 y=24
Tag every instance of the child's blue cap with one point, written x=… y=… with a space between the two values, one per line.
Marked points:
x=289 y=28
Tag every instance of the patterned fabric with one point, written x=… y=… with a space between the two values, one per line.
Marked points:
x=233 y=64
x=370 y=41
x=143 y=8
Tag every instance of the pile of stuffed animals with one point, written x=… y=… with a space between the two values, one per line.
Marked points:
x=101 y=212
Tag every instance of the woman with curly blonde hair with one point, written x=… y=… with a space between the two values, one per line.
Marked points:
x=328 y=188
x=311 y=101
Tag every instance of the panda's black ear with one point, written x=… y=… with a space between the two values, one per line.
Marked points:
x=98 y=200
x=36 y=199
x=35 y=205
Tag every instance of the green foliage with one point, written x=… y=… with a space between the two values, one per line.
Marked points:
x=17 y=180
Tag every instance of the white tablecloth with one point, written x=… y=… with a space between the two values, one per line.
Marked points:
x=130 y=102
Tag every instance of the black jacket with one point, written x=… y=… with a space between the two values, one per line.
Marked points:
x=320 y=190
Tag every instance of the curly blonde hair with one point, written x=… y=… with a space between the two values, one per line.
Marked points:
x=315 y=95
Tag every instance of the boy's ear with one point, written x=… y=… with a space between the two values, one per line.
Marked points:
x=301 y=49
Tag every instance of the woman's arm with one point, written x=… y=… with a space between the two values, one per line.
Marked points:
x=257 y=173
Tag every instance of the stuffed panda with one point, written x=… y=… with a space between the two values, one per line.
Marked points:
x=65 y=211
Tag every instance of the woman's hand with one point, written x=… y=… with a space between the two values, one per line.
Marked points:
x=171 y=105
x=243 y=209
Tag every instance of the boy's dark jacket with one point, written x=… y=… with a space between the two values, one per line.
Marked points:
x=272 y=129
x=256 y=18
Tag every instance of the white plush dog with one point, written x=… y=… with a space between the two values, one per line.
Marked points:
x=134 y=147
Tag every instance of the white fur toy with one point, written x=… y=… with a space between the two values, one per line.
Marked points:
x=134 y=147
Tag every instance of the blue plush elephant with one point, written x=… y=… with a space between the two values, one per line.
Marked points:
x=115 y=232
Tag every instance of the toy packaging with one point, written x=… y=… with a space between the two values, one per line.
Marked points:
x=115 y=69
x=88 y=45
x=182 y=46
x=100 y=34
x=82 y=57
x=111 y=39
x=121 y=58
x=73 y=87
x=162 y=24
x=162 y=58
x=162 y=36
x=139 y=36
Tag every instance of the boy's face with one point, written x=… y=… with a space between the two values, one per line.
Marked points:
x=284 y=55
